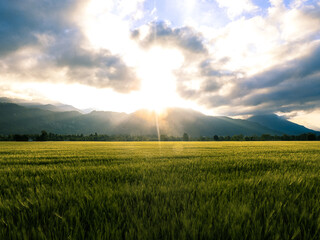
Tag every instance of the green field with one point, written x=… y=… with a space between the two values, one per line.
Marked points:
x=167 y=190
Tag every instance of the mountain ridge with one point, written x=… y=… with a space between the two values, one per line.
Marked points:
x=278 y=123
x=17 y=119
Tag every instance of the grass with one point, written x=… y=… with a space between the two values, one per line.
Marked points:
x=168 y=190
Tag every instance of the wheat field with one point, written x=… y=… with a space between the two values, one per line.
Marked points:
x=160 y=190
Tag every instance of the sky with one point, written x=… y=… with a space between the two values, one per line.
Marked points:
x=234 y=58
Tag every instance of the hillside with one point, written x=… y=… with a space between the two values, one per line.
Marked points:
x=280 y=124
x=16 y=119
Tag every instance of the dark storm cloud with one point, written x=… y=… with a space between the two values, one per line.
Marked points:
x=185 y=38
x=21 y=24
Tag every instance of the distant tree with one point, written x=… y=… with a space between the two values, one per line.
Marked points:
x=303 y=137
x=254 y=138
x=185 y=137
x=237 y=137
x=20 y=138
x=285 y=137
x=266 y=137
x=221 y=138
x=164 y=137
x=277 y=138
x=311 y=137
x=216 y=138
x=43 y=136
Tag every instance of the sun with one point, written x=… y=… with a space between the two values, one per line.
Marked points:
x=158 y=82
x=154 y=66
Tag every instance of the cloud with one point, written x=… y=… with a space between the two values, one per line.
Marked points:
x=107 y=24
x=291 y=86
x=236 y=8
x=42 y=41
x=294 y=70
x=296 y=23
x=98 y=68
x=160 y=33
x=305 y=118
x=101 y=70
x=255 y=66
x=294 y=84
x=21 y=21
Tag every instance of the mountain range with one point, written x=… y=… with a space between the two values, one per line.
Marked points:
x=30 y=118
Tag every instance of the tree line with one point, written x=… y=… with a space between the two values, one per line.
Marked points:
x=44 y=136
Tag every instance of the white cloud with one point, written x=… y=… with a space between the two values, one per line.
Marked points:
x=297 y=3
x=308 y=119
x=258 y=43
x=276 y=3
x=107 y=24
x=247 y=43
x=298 y=25
x=236 y=7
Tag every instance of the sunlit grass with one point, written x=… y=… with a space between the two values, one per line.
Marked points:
x=167 y=190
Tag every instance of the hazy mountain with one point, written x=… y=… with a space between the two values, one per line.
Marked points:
x=19 y=119
x=58 y=107
x=11 y=100
x=51 y=107
x=16 y=119
x=280 y=124
x=176 y=121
